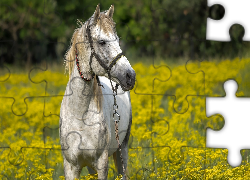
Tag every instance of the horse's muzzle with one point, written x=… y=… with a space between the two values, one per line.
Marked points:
x=129 y=80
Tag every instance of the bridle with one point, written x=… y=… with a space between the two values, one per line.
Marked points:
x=114 y=89
x=93 y=54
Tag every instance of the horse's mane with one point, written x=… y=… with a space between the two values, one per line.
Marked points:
x=69 y=58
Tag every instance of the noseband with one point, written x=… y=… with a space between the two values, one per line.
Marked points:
x=93 y=54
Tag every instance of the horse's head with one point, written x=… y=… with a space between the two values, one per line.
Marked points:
x=98 y=50
x=106 y=46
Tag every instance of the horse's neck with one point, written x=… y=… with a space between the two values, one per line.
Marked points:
x=81 y=94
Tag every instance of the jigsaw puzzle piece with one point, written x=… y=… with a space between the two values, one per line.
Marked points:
x=176 y=23
x=193 y=165
x=20 y=163
x=188 y=85
x=141 y=164
x=49 y=10
x=34 y=163
x=22 y=131
x=45 y=74
x=39 y=174
x=188 y=129
x=14 y=48
x=3 y=177
x=112 y=172
x=159 y=74
x=219 y=30
x=51 y=132
x=223 y=169
x=231 y=63
x=162 y=32
x=227 y=107
x=5 y=163
x=5 y=74
x=26 y=25
x=124 y=31
x=16 y=156
x=6 y=46
x=124 y=24
x=17 y=89
x=122 y=27
x=53 y=103
x=54 y=162
x=142 y=130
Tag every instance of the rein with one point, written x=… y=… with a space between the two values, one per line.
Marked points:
x=114 y=89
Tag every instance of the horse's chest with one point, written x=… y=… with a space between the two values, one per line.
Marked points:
x=94 y=132
x=124 y=111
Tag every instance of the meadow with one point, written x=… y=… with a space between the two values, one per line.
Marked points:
x=168 y=135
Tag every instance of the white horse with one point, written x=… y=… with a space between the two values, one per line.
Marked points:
x=87 y=129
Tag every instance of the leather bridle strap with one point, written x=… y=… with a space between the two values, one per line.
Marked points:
x=93 y=54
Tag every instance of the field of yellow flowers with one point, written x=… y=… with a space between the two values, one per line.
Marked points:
x=168 y=136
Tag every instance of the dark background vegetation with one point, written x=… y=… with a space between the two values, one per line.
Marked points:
x=40 y=30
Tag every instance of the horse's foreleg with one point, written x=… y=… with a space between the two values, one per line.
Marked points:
x=70 y=171
x=102 y=166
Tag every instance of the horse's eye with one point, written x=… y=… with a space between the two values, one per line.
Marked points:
x=102 y=42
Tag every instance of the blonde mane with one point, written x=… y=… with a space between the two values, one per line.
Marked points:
x=70 y=55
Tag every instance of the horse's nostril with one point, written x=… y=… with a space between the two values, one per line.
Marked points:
x=128 y=79
x=128 y=76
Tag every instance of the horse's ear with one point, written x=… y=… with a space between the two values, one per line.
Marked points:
x=97 y=13
x=110 y=12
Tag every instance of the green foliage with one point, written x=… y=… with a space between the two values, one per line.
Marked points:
x=146 y=28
